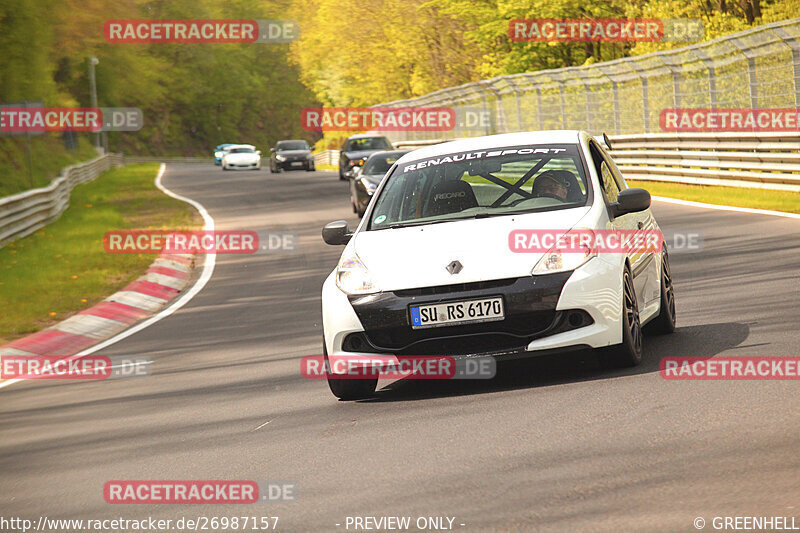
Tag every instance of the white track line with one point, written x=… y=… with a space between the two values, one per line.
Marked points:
x=208 y=270
x=727 y=207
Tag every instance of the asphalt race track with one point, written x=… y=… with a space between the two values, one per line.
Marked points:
x=553 y=444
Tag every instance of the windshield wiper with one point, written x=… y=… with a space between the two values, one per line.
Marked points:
x=397 y=225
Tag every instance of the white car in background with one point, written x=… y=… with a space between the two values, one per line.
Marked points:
x=432 y=269
x=241 y=157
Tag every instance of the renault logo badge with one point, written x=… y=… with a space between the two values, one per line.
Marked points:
x=454 y=267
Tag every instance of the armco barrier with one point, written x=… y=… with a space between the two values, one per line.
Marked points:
x=24 y=213
x=757 y=160
x=327 y=157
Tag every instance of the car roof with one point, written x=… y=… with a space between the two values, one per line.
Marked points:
x=292 y=141
x=495 y=141
x=242 y=146
x=365 y=136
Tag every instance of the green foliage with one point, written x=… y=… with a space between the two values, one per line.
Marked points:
x=48 y=159
x=193 y=96
x=65 y=261
x=353 y=53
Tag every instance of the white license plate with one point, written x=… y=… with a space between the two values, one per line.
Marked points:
x=450 y=313
x=297 y=163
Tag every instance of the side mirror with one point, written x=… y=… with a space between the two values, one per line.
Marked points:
x=336 y=233
x=349 y=174
x=258 y=152
x=631 y=201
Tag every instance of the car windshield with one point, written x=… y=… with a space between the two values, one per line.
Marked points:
x=368 y=143
x=292 y=145
x=380 y=165
x=241 y=150
x=483 y=183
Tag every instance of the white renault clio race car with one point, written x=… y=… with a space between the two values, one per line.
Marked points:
x=437 y=267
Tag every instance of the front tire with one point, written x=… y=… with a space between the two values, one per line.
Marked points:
x=665 y=321
x=629 y=352
x=348 y=389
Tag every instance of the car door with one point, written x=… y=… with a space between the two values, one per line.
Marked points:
x=643 y=264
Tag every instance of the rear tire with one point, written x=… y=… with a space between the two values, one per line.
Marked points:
x=665 y=321
x=629 y=352
x=348 y=389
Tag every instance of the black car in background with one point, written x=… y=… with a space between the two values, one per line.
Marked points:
x=366 y=180
x=357 y=148
x=291 y=155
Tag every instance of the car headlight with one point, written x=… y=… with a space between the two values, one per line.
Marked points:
x=368 y=185
x=280 y=158
x=557 y=261
x=219 y=154
x=352 y=277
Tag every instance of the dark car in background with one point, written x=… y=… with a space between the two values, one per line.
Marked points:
x=357 y=148
x=367 y=178
x=291 y=155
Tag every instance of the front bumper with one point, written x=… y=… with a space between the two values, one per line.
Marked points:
x=243 y=166
x=295 y=164
x=574 y=309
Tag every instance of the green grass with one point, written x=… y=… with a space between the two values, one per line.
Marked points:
x=48 y=158
x=63 y=268
x=735 y=196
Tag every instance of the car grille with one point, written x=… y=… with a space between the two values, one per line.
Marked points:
x=445 y=289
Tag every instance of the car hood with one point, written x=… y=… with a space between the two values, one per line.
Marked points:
x=417 y=256
x=294 y=153
x=232 y=158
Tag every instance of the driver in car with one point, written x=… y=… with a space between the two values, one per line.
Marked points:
x=552 y=184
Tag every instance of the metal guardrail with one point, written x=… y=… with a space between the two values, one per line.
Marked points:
x=756 y=160
x=327 y=157
x=24 y=213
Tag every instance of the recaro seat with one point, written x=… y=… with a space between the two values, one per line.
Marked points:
x=448 y=197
